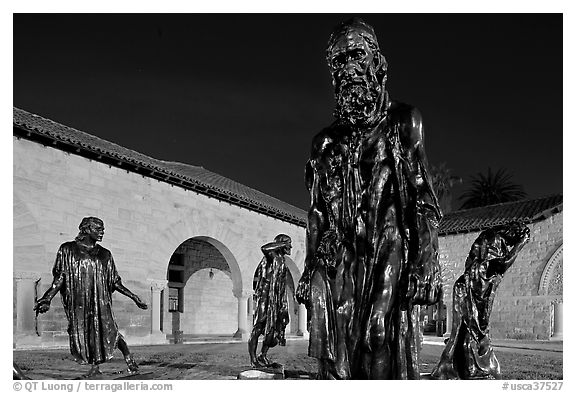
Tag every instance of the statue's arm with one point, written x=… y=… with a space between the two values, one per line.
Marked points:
x=427 y=201
x=425 y=283
x=516 y=248
x=258 y=274
x=317 y=214
x=120 y=288
x=316 y=223
x=43 y=304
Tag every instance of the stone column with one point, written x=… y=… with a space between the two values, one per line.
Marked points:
x=156 y=286
x=242 y=331
x=250 y=313
x=25 y=315
x=557 y=333
x=302 y=321
x=448 y=319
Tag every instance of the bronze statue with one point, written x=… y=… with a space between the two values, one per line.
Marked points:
x=271 y=311
x=372 y=244
x=468 y=353
x=85 y=275
x=17 y=373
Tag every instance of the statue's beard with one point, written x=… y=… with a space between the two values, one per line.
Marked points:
x=357 y=102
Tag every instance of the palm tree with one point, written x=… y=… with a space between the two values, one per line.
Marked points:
x=443 y=180
x=491 y=189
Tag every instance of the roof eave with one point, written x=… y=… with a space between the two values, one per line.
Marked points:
x=157 y=173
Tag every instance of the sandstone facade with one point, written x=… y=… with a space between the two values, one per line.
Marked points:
x=146 y=221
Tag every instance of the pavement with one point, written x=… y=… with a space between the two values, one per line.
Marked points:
x=533 y=345
x=208 y=358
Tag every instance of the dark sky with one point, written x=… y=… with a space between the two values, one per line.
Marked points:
x=243 y=94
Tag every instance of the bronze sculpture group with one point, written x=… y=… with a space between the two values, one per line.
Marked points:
x=371 y=249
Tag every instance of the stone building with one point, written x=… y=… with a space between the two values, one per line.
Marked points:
x=184 y=239
x=187 y=241
x=528 y=302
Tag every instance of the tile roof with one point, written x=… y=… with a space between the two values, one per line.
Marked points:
x=196 y=178
x=488 y=216
x=31 y=126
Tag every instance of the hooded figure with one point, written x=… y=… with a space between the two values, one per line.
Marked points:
x=468 y=353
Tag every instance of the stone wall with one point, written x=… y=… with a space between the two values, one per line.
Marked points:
x=522 y=310
x=146 y=221
x=209 y=305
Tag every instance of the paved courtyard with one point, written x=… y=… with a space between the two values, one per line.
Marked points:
x=519 y=360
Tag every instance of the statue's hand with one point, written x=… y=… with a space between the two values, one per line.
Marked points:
x=42 y=305
x=303 y=290
x=424 y=291
x=140 y=303
x=525 y=234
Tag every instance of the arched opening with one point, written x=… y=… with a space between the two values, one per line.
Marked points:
x=202 y=275
x=552 y=277
x=551 y=285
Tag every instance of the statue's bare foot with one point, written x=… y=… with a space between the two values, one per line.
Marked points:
x=94 y=370
x=263 y=360
x=131 y=371
x=132 y=366
x=255 y=364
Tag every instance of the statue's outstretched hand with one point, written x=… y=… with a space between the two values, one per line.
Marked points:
x=42 y=305
x=140 y=303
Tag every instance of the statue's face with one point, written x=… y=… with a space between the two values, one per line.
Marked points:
x=356 y=87
x=96 y=231
x=288 y=247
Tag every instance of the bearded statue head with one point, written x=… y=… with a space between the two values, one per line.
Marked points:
x=358 y=73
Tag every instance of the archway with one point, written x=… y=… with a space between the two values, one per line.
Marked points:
x=551 y=285
x=202 y=276
x=552 y=277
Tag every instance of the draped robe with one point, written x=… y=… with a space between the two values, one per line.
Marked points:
x=350 y=244
x=89 y=279
x=272 y=305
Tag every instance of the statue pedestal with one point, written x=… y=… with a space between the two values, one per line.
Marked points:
x=276 y=371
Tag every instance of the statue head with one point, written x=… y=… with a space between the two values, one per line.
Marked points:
x=281 y=238
x=92 y=228
x=358 y=73
x=513 y=232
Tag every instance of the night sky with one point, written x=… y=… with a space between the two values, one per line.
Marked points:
x=243 y=94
